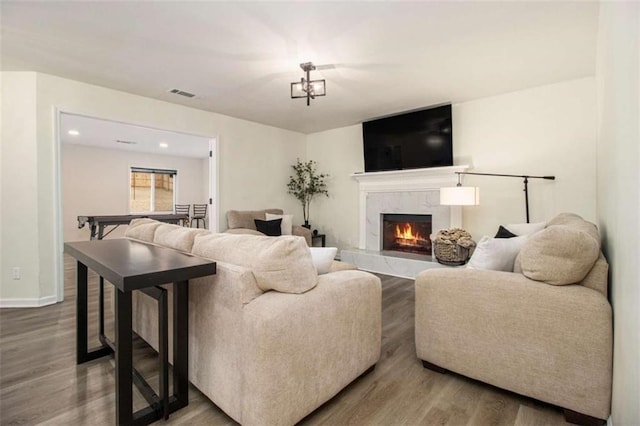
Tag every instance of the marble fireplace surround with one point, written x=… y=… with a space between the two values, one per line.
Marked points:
x=415 y=191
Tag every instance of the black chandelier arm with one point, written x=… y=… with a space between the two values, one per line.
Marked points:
x=308 y=86
x=526 y=183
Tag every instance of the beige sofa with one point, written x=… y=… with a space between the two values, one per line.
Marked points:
x=242 y=222
x=269 y=340
x=544 y=331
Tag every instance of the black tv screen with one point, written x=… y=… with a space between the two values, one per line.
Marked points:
x=414 y=140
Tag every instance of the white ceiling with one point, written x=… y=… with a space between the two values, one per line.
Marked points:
x=105 y=134
x=239 y=57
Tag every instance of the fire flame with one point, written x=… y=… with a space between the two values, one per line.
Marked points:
x=404 y=235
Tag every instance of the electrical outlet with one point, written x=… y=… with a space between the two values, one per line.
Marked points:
x=16 y=272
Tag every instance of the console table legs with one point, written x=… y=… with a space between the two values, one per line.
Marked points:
x=124 y=356
x=126 y=375
x=83 y=354
x=181 y=342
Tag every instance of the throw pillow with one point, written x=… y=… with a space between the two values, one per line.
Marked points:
x=283 y=264
x=142 y=229
x=560 y=254
x=525 y=228
x=287 y=222
x=504 y=233
x=176 y=237
x=272 y=228
x=497 y=254
x=323 y=258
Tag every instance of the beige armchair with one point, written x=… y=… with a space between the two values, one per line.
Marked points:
x=544 y=331
x=242 y=222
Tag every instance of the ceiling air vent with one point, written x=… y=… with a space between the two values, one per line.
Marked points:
x=126 y=142
x=182 y=93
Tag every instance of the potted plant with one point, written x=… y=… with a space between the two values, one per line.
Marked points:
x=305 y=184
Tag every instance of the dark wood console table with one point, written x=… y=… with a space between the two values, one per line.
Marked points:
x=99 y=223
x=131 y=265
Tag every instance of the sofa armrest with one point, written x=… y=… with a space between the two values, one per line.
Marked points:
x=230 y=288
x=215 y=330
x=301 y=231
x=553 y=343
x=329 y=335
x=338 y=265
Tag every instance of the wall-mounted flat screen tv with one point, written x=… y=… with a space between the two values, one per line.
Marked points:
x=414 y=140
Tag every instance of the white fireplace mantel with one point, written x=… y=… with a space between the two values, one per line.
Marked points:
x=413 y=180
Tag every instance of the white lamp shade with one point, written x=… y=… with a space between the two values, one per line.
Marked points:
x=460 y=196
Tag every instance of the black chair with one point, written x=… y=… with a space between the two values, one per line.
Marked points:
x=183 y=209
x=199 y=214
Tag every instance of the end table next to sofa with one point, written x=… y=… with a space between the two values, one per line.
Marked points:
x=321 y=237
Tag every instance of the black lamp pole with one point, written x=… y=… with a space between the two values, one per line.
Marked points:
x=526 y=183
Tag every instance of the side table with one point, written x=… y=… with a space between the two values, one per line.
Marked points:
x=321 y=237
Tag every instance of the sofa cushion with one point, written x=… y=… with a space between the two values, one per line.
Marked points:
x=142 y=229
x=244 y=231
x=496 y=254
x=176 y=237
x=279 y=263
x=562 y=253
x=323 y=258
x=244 y=219
x=271 y=228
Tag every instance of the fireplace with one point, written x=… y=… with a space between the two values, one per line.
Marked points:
x=408 y=233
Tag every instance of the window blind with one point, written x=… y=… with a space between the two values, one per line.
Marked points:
x=159 y=171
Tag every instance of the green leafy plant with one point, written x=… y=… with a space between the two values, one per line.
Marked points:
x=306 y=183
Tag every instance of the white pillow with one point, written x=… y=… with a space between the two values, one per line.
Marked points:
x=287 y=222
x=497 y=254
x=525 y=228
x=323 y=257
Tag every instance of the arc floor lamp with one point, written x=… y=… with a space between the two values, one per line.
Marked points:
x=469 y=195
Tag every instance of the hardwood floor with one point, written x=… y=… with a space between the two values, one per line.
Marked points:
x=41 y=384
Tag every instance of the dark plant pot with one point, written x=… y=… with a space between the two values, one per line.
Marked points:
x=306 y=224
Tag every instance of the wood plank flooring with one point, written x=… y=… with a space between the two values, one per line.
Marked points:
x=41 y=384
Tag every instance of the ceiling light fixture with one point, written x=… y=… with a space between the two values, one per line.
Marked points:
x=164 y=145
x=307 y=88
x=73 y=132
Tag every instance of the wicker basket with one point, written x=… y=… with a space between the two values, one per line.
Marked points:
x=450 y=254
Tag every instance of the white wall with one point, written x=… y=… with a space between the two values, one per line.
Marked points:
x=618 y=193
x=95 y=181
x=254 y=164
x=338 y=153
x=548 y=130
x=19 y=187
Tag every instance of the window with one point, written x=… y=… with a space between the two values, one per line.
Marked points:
x=152 y=190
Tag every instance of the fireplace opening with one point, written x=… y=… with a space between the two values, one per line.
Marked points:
x=408 y=233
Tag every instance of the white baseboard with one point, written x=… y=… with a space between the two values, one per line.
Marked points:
x=28 y=303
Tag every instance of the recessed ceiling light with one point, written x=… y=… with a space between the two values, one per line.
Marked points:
x=164 y=145
x=74 y=132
